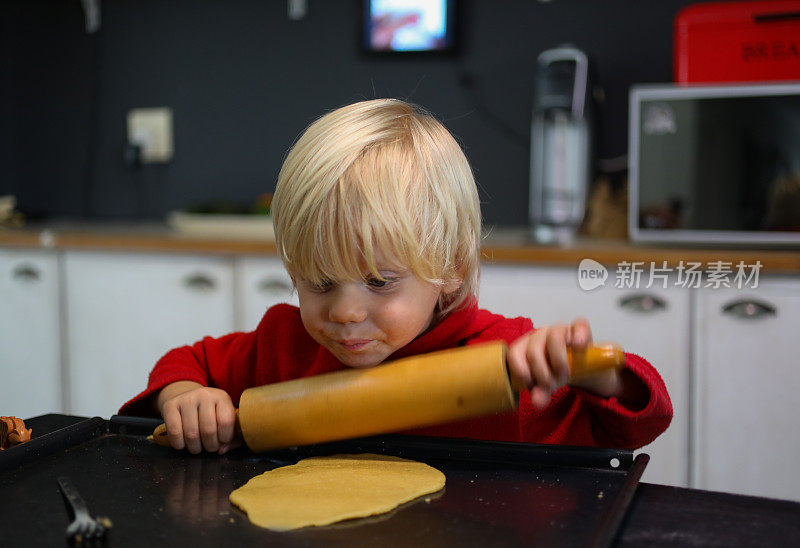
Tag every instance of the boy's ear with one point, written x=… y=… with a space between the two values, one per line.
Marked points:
x=452 y=286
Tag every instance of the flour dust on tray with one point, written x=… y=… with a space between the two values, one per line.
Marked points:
x=325 y=490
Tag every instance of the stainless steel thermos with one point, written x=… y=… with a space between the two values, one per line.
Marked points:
x=560 y=144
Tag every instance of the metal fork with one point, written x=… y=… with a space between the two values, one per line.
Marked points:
x=83 y=527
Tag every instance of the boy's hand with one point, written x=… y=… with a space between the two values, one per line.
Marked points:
x=197 y=417
x=539 y=361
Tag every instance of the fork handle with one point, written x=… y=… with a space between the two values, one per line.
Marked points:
x=71 y=494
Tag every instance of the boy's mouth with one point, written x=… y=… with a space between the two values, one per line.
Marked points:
x=353 y=345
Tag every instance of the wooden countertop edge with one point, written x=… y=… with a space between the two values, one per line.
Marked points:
x=608 y=254
x=771 y=260
x=179 y=244
x=88 y=241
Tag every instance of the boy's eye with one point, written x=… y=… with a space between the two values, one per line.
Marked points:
x=377 y=283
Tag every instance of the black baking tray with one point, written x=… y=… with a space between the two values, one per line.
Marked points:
x=497 y=494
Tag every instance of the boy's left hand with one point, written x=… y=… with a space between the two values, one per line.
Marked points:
x=539 y=361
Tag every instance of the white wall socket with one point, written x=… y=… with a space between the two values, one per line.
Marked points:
x=151 y=129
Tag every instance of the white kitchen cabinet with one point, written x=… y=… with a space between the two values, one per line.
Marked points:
x=30 y=349
x=747 y=378
x=124 y=311
x=652 y=322
x=260 y=283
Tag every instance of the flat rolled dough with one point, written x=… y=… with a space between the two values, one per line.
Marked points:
x=324 y=490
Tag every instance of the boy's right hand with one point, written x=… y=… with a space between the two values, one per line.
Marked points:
x=197 y=417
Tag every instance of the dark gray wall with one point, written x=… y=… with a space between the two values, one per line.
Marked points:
x=243 y=81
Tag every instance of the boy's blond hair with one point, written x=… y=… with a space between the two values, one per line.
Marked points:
x=379 y=175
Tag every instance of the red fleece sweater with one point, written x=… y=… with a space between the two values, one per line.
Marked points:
x=280 y=349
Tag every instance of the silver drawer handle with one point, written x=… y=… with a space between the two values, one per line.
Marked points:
x=643 y=303
x=274 y=285
x=199 y=282
x=749 y=310
x=26 y=273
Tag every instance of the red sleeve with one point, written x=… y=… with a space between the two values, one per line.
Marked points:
x=278 y=350
x=574 y=416
x=577 y=417
x=209 y=362
x=616 y=425
x=232 y=363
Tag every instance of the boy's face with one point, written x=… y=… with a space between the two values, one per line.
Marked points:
x=362 y=323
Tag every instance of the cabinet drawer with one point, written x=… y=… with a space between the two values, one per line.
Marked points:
x=125 y=311
x=260 y=283
x=747 y=379
x=30 y=347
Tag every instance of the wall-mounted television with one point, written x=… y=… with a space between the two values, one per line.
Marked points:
x=409 y=26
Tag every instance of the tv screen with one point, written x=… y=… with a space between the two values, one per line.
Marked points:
x=409 y=26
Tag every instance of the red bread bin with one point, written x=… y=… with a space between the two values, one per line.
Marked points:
x=737 y=42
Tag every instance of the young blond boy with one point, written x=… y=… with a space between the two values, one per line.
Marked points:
x=377 y=221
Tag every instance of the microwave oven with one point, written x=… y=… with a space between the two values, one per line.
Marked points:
x=715 y=164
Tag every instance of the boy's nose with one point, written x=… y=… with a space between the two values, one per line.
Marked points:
x=346 y=305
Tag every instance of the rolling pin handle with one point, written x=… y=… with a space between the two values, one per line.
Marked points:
x=595 y=359
x=160 y=435
x=591 y=361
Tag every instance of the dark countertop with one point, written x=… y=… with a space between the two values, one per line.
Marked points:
x=672 y=516
x=159 y=497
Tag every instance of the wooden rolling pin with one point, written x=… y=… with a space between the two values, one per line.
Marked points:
x=422 y=390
